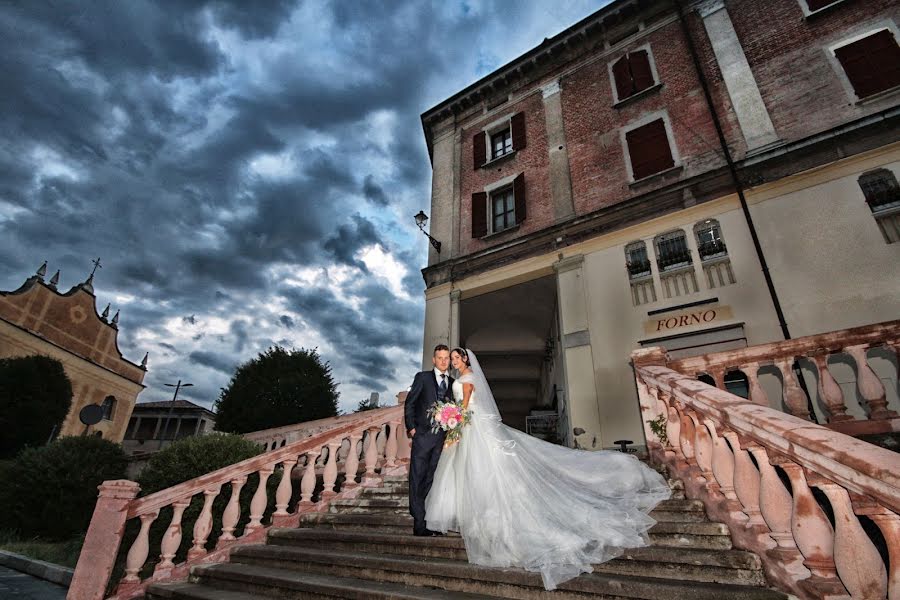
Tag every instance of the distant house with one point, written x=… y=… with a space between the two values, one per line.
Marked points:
x=155 y=425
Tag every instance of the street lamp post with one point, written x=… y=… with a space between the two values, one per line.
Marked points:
x=421 y=219
x=177 y=387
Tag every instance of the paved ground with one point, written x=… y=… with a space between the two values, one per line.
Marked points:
x=19 y=586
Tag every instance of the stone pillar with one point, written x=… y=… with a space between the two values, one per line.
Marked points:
x=437 y=321
x=560 y=177
x=101 y=543
x=454 y=318
x=581 y=391
x=445 y=169
x=747 y=102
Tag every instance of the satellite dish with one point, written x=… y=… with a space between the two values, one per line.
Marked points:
x=91 y=414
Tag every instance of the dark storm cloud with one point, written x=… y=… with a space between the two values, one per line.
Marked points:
x=208 y=150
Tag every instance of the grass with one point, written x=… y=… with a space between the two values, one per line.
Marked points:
x=60 y=553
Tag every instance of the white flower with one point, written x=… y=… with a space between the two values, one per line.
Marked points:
x=452 y=423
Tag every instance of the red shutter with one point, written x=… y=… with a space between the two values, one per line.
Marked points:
x=518 y=131
x=649 y=149
x=872 y=64
x=479 y=214
x=641 y=75
x=623 y=78
x=519 y=196
x=479 y=149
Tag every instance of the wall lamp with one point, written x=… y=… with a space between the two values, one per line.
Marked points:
x=421 y=219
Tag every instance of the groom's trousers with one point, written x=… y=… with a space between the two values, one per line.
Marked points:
x=423 y=460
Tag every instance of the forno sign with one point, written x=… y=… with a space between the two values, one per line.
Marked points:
x=691 y=318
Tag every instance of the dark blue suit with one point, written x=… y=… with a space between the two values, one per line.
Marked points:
x=427 y=446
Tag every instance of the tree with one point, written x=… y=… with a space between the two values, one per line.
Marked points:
x=278 y=387
x=50 y=491
x=35 y=397
x=370 y=403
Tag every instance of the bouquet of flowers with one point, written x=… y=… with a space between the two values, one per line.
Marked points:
x=450 y=417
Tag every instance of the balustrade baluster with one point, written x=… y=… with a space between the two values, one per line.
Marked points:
x=869 y=385
x=673 y=431
x=858 y=562
x=172 y=537
x=203 y=524
x=812 y=532
x=757 y=393
x=718 y=375
x=308 y=481
x=403 y=448
x=232 y=513
x=889 y=524
x=329 y=474
x=793 y=395
x=775 y=501
x=258 y=502
x=703 y=450
x=371 y=455
x=140 y=549
x=285 y=488
x=746 y=480
x=390 y=448
x=829 y=391
x=722 y=461
x=687 y=438
x=351 y=463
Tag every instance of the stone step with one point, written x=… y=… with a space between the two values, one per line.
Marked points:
x=459 y=576
x=398 y=491
x=222 y=581
x=385 y=501
x=726 y=566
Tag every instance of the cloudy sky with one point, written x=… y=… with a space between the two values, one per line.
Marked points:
x=247 y=175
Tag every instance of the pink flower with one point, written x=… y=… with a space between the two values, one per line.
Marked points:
x=452 y=423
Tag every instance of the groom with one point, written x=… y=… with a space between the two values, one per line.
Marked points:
x=428 y=388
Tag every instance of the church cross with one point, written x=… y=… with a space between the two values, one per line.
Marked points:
x=96 y=266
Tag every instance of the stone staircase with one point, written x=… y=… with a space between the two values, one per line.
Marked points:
x=363 y=548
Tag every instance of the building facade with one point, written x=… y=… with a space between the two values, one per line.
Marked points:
x=37 y=319
x=694 y=175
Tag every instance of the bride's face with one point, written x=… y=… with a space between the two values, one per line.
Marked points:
x=457 y=361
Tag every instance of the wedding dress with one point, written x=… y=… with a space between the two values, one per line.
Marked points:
x=519 y=501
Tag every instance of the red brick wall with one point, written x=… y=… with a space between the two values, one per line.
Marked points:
x=533 y=160
x=593 y=125
x=787 y=54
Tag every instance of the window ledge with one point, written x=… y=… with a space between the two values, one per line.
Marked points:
x=888 y=211
x=496 y=234
x=714 y=258
x=497 y=160
x=638 y=96
x=878 y=96
x=642 y=278
x=655 y=176
x=807 y=14
x=674 y=270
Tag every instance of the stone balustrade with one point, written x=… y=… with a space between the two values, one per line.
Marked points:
x=855 y=344
x=819 y=507
x=364 y=447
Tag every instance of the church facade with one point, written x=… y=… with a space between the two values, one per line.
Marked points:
x=37 y=319
x=697 y=175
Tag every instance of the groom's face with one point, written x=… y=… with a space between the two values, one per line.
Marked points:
x=441 y=360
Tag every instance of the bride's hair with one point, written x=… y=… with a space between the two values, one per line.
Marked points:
x=463 y=354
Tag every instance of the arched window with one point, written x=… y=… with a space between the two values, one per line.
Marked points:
x=672 y=250
x=636 y=260
x=883 y=197
x=709 y=239
x=109 y=408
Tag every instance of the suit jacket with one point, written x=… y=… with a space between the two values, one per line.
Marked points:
x=422 y=396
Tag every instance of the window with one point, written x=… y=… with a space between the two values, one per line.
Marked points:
x=499 y=139
x=871 y=64
x=709 y=239
x=648 y=149
x=109 y=408
x=503 y=210
x=632 y=74
x=500 y=208
x=636 y=260
x=883 y=197
x=501 y=143
x=672 y=250
x=815 y=5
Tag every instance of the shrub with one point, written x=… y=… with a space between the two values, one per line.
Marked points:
x=50 y=492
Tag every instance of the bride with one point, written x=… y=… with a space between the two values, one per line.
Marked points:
x=518 y=501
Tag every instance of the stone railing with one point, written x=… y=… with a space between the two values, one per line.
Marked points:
x=854 y=344
x=819 y=507
x=351 y=447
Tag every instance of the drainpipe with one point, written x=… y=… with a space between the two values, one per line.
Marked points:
x=739 y=187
